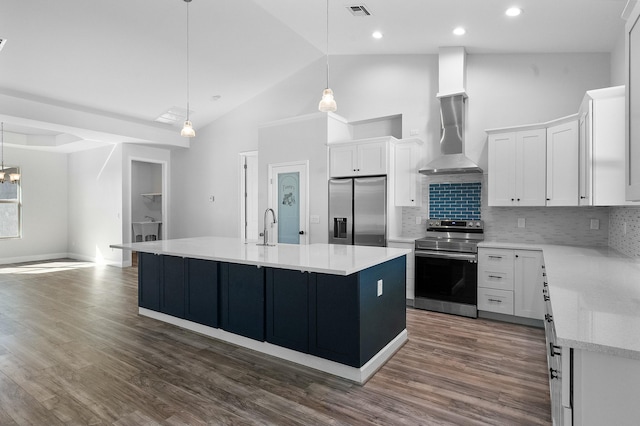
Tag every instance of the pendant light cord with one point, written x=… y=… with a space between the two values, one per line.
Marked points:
x=327 y=44
x=188 y=1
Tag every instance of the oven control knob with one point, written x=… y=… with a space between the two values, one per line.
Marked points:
x=477 y=224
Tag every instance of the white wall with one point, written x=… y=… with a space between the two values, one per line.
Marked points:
x=44 y=206
x=365 y=87
x=511 y=90
x=297 y=140
x=95 y=204
x=618 y=77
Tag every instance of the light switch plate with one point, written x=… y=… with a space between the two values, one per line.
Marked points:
x=521 y=222
x=418 y=220
x=379 y=288
x=595 y=224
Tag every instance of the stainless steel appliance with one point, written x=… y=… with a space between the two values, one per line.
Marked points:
x=358 y=211
x=446 y=267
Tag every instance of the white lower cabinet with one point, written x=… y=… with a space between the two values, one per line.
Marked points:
x=510 y=282
x=411 y=278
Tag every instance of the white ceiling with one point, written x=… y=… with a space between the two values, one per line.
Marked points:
x=128 y=57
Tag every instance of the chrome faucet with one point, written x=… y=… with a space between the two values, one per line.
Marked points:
x=153 y=219
x=265 y=233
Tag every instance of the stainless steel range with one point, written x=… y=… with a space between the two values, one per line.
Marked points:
x=447 y=267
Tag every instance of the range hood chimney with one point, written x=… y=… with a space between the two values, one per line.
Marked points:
x=452 y=95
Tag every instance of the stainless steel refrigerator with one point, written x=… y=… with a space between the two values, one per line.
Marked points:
x=358 y=211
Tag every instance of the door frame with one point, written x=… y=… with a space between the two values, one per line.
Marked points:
x=242 y=189
x=128 y=232
x=305 y=220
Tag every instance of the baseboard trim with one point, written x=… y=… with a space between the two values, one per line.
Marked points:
x=357 y=375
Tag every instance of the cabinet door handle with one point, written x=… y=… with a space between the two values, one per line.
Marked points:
x=495 y=257
x=554 y=350
x=582 y=197
x=548 y=317
x=517 y=256
x=546 y=298
x=512 y=199
x=495 y=300
x=553 y=374
x=495 y=276
x=518 y=199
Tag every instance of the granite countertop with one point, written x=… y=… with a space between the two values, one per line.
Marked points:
x=323 y=258
x=595 y=297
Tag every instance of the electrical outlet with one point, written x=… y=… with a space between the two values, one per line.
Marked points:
x=379 y=288
x=314 y=218
x=418 y=220
x=414 y=132
x=595 y=224
x=211 y=198
x=521 y=222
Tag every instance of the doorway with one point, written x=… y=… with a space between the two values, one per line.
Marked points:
x=148 y=202
x=288 y=188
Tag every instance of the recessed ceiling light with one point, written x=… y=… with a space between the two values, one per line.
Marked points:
x=513 y=11
x=459 y=31
x=376 y=35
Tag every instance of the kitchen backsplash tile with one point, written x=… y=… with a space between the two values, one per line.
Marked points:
x=624 y=230
x=459 y=200
x=543 y=225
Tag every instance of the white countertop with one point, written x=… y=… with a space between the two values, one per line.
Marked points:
x=323 y=258
x=595 y=297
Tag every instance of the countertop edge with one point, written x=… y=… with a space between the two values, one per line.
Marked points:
x=266 y=264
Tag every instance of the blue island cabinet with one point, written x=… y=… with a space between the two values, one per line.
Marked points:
x=351 y=320
x=181 y=287
x=242 y=300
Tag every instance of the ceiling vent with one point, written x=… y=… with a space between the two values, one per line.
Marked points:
x=3 y=41
x=173 y=115
x=359 y=10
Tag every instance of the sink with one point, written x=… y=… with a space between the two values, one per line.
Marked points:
x=146 y=230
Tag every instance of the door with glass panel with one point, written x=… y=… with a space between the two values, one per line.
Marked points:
x=288 y=199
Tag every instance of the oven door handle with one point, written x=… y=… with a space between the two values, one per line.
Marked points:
x=446 y=255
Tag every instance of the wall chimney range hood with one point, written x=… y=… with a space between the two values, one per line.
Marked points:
x=452 y=69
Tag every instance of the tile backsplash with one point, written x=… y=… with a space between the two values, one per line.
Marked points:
x=543 y=225
x=624 y=231
x=461 y=200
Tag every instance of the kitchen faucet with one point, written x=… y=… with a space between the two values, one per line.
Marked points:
x=153 y=219
x=265 y=233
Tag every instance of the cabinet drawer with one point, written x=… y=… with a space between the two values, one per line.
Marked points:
x=495 y=260
x=499 y=280
x=492 y=300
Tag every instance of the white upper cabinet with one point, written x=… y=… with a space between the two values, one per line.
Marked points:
x=562 y=163
x=407 y=183
x=602 y=148
x=359 y=159
x=517 y=168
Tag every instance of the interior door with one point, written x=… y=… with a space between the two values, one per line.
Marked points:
x=288 y=188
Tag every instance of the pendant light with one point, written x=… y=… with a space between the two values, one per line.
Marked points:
x=187 y=129
x=13 y=177
x=327 y=103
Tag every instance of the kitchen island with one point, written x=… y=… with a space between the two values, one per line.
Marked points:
x=339 y=309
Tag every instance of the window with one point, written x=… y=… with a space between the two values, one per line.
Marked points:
x=10 y=206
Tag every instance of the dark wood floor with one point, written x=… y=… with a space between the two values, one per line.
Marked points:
x=73 y=350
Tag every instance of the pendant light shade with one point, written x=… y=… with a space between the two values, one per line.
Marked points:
x=187 y=130
x=327 y=103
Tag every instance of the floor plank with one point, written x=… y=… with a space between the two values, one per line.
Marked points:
x=73 y=350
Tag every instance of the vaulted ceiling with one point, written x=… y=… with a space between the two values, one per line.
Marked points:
x=128 y=57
